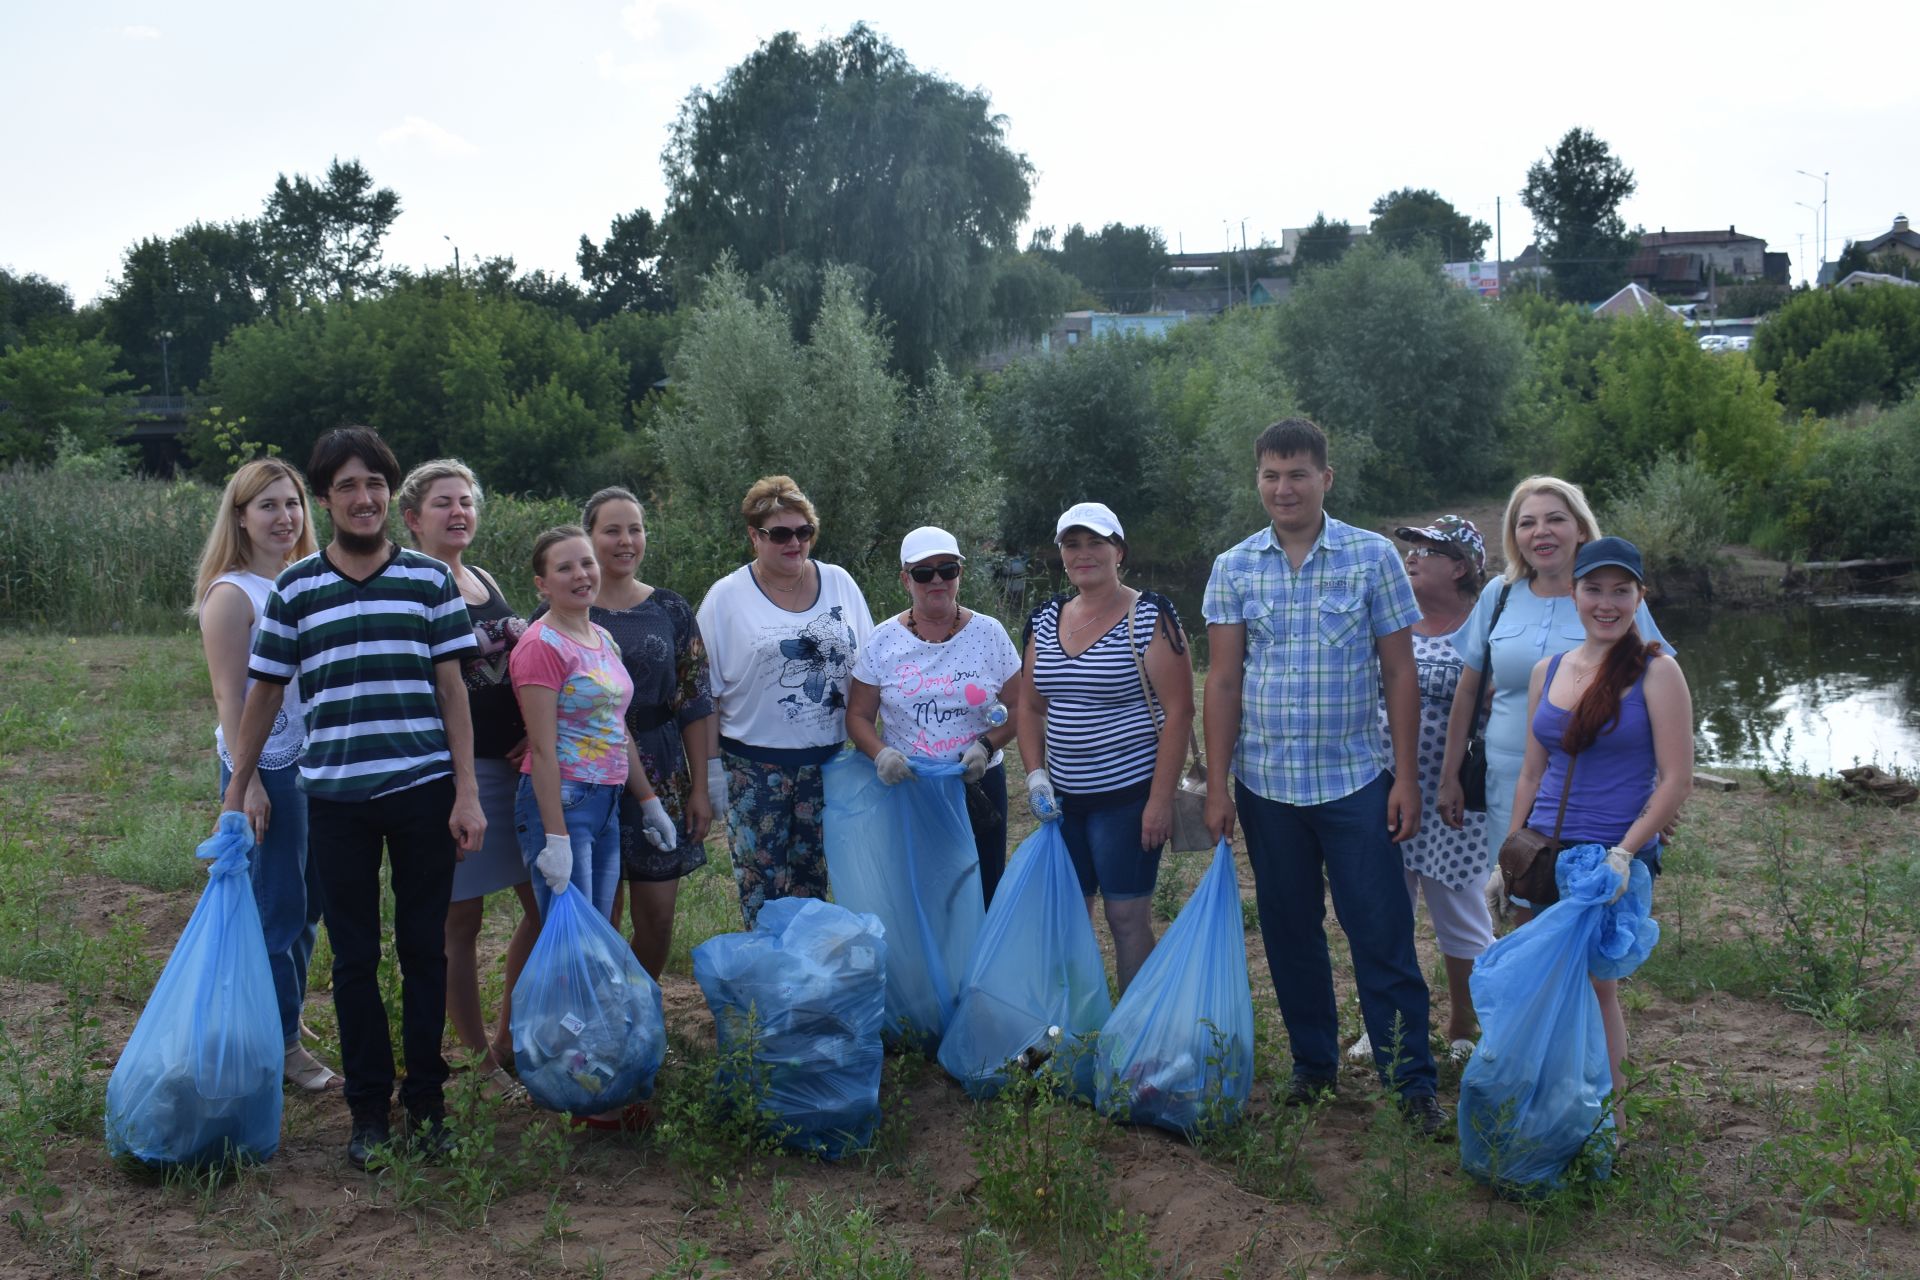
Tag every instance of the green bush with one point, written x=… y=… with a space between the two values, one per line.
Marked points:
x=1678 y=512
x=1833 y=349
x=1859 y=493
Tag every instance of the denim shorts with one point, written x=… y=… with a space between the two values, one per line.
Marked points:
x=1105 y=847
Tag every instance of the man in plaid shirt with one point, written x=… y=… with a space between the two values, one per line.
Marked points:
x=1307 y=621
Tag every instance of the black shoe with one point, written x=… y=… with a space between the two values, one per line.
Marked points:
x=368 y=1135
x=428 y=1135
x=1424 y=1113
x=1305 y=1092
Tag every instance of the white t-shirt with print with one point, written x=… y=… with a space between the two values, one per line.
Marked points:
x=934 y=697
x=780 y=678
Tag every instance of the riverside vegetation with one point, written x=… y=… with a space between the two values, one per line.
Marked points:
x=1774 y=1110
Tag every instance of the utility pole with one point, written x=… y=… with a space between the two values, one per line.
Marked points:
x=1499 y=259
x=1820 y=229
x=1246 y=265
x=166 y=369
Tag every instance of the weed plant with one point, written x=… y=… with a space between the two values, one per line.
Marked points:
x=1857 y=1146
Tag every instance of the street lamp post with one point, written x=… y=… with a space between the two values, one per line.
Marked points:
x=456 y=256
x=166 y=369
x=1816 y=235
x=1821 y=228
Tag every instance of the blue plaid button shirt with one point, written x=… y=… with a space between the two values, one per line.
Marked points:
x=1310 y=696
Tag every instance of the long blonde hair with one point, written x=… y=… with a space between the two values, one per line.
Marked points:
x=1565 y=490
x=228 y=547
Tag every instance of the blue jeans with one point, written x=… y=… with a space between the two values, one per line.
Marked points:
x=593 y=824
x=287 y=892
x=1291 y=847
x=1105 y=847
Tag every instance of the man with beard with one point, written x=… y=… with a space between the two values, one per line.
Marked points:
x=374 y=633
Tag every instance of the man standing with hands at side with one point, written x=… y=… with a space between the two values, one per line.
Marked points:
x=374 y=633
x=1307 y=621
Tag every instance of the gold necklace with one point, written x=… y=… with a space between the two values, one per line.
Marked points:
x=759 y=576
x=1071 y=632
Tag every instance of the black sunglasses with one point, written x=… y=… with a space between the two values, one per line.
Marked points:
x=928 y=572
x=780 y=535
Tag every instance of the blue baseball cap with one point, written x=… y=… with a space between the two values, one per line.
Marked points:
x=1602 y=552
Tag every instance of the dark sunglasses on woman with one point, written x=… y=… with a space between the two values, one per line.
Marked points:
x=928 y=572
x=780 y=535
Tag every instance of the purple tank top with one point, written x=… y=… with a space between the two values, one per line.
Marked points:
x=1616 y=774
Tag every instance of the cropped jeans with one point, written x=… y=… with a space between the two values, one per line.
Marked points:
x=286 y=889
x=593 y=827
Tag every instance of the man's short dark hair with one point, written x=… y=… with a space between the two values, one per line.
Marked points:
x=1288 y=437
x=331 y=451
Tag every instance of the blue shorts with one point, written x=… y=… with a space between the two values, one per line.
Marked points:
x=1105 y=847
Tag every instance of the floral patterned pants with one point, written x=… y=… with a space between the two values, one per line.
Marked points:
x=773 y=821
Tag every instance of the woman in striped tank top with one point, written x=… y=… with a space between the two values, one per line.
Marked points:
x=1103 y=756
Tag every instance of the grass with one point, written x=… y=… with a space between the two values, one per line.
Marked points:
x=1789 y=921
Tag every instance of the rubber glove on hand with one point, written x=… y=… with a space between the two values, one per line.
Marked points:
x=1620 y=862
x=973 y=761
x=717 y=788
x=1040 y=798
x=555 y=863
x=892 y=766
x=656 y=826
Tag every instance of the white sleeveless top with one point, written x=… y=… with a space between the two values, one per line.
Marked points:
x=289 y=736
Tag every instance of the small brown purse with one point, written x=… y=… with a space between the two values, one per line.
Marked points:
x=1527 y=858
x=1189 y=834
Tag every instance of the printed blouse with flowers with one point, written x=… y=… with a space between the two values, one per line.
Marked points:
x=592 y=690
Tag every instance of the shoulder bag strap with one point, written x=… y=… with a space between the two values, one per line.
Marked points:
x=1573 y=758
x=1475 y=730
x=1197 y=763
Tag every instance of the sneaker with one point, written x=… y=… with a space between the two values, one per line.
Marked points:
x=1304 y=1092
x=428 y=1135
x=1361 y=1050
x=1460 y=1051
x=369 y=1135
x=1424 y=1113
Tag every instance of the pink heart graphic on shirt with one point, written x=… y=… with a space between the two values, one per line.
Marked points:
x=975 y=695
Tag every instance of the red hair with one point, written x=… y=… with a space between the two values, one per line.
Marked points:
x=1599 y=707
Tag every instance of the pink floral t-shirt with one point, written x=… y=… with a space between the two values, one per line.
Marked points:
x=592 y=689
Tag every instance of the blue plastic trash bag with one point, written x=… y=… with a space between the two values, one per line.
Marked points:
x=1037 y=967
x=199 y=1081
x=905 y=854
x=1628 y=932
x=811 y=979
x=1535 y=1093
x=1178 y=1050
x=589 y=1026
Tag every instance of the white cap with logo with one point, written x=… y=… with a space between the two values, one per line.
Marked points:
x=928 y=540
x=1089 y=515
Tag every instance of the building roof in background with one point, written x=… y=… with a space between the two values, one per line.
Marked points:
x=1663 y=237
x=1857 y=279
x=1632 y=301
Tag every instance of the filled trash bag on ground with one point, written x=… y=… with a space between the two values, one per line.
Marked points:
x=905 y=854
x=1534 y=1095
x=809 y=984
x=1627 y=932
x=1037 y=982
x=1178 y=1050
x=199 y=1081
x=589 y=1027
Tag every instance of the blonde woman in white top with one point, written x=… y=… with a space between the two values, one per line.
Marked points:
x=262 y=528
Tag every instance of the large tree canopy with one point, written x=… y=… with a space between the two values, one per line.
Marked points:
x=846 y=153
x=324 y=237
x=624 y=272
x=1119 y=263
x=1323 y=242
x=196 y=286
x=1404 y=218
x=1574 y=195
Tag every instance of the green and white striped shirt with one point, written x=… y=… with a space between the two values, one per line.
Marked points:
x=365 y=653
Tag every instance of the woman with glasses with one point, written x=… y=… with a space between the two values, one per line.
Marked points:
x=935 y=675
x=781 y=632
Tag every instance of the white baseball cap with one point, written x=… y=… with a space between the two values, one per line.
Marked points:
x=1088 y=515
x=928 y=540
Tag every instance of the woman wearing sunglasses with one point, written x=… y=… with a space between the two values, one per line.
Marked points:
x=781 y=632
x=935 y=675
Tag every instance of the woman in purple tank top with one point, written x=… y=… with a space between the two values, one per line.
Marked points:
x=1621 y=707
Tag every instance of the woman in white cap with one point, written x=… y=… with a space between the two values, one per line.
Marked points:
x=1107 y=702
x=935 y=676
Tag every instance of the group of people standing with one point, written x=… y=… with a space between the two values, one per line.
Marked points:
x=372 y=696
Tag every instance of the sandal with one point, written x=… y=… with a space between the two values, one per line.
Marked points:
x=632 y=1118
x=1459 y=1051
x=311 y=1074
x=504 y=1087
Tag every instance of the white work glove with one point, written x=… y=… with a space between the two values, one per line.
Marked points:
x=656 y=826
x=973 y=761
x=717 y=788
x=892 y=767
x=1620 y=862
x=555 y=863
x=1040 y=798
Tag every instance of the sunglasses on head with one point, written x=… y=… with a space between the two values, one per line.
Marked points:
x=928 y=572
x=781 y=534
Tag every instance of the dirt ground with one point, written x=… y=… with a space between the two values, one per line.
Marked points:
x=1694 y=1198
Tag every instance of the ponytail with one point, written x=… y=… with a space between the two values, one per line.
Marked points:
x=1599 y=708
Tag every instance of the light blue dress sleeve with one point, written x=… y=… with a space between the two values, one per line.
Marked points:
x=1650 y=632
x=1471 y=639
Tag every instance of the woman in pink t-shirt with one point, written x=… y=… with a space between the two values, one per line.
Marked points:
x=573 y=695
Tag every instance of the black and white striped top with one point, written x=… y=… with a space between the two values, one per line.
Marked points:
x=1101 y=735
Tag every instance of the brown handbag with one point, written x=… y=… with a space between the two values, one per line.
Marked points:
x=1189 y=834
x=1527 y=858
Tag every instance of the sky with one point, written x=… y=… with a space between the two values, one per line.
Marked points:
x=511 y=129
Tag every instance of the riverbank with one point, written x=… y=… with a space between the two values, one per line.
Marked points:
x=1774 y=1110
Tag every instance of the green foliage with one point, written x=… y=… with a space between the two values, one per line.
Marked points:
x=1119 y=263
x=1042 y=1175
x=623 y=273
x=1859 y=492
x=1410 y=216
x=1833 y=349
x=1856 y=1147
x=197 y=285
x=33 y=309
x=65 y=385
x=829 y=1241
x=1575 y=195
x=1322 y=242
x=1677 y=511
x=323 y=238
x=847 y=153
x=875 y=457
x=1383 y=352
x=1754 y=298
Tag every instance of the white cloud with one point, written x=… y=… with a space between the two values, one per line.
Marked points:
x=140 y=33
x=436 y=137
